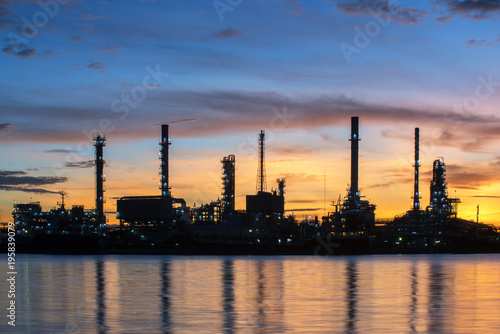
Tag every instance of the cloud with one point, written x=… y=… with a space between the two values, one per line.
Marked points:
x=74 y=39
x=28 y=190
x=301 y=201
x=178 y=122
x=5 y=173
x=80 y=164
x=19 y=49
x=293 y=150
x=83 y=24
x=22 y=178
x=474 y=42
x=95 y=65
x=381 y=7
x=21 y=181
x=472 y=177
x=108 y=49
x=235 y=112
x=381 y=185
x=303 y=209
x=477 y=138
x=297 y=8
x=90 y=17
x=295 y=178
x=481 y=42
x=226 y=33
x=250 y=109
x=48 y=54
x=473 y=9
x=445 y=19
x=60 y=151
x=5 y=127
x=291 y=2
x=5 y=22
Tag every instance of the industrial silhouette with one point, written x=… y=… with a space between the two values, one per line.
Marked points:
x=165 y=224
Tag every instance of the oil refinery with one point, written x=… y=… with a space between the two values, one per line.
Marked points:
x=163 y=224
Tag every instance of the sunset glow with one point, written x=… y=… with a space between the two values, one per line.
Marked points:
x=218 y=78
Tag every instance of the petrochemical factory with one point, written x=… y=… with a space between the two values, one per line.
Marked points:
x=164 y=224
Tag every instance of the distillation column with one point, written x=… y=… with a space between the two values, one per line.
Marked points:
x=261 y=171
x=228 y=183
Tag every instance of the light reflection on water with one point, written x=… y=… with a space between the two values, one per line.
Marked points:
x=174 y=294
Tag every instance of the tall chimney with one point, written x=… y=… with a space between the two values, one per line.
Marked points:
x=164 y=144
x=416 y=164
x=99 y=143
x=261 y=171
x=354 y=191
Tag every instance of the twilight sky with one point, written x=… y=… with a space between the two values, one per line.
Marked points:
x=220 y=71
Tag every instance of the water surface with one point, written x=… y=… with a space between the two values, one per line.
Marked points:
x=215 y=294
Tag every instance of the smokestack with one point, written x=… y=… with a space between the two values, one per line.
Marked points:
x=99 y=143
x=261 y=172
x=416 y=164
x=354 y=156
x=164 y=183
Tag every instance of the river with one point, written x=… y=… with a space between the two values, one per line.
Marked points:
x=255 y=294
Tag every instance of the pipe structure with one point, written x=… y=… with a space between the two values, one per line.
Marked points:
x=164 y=144
x=439 y=193
x=281 y=186
x=261 y=172
x=354 y=190
x=99 y=143
x=228 y=183
x=416 y=164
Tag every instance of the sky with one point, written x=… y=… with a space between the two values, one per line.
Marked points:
x=220 y=71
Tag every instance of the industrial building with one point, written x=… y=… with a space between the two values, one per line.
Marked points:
x=264 y=211
x=31 y=220
x=154 y=212
x=162 y=222
x=270 y=206
x=356 y=217
x=435 y=228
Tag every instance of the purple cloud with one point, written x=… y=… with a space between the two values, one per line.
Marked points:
x=474 y=9
x=226 y=33
x=5 y=127
x=95 y=65
x=381 y=7
x=20 y=50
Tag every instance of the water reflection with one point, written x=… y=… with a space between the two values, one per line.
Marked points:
x=261 y=314
x=100 y=296
x=436 y=298
x=351 y=296
x=228 y=295
x=165 y=299
x=105 y=294
x=414 y=299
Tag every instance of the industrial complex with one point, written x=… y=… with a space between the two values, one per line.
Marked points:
x=162 y=223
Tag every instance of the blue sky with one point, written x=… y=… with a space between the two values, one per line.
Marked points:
x=220 y=71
